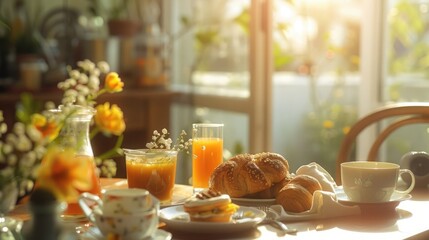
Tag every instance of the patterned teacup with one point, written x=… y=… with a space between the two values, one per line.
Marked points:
x=129 y=201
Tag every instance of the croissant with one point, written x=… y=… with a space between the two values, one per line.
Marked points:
x=297 y=195
x=270 y=192
x=308 y=182
x=246 y=174
x=294 y=198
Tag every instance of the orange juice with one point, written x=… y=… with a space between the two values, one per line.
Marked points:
x=207 y=155
x=154 y=172
x=73 y=207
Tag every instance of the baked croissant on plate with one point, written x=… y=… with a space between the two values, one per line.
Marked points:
x=297 y=195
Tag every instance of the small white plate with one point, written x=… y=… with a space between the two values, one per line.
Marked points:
x=395 y=198
x=251 y=202
x=378 y=208
x=93 y=233
x=177 y=219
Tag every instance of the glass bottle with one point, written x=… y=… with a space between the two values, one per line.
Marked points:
x=151 y=48
x=75 y=134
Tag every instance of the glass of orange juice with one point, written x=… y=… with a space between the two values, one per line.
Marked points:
x=153 y=170
x=207 y=152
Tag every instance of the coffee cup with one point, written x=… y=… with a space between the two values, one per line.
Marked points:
x=126 y=201
x=373 y=182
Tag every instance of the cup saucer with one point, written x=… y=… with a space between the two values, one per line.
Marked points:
x=373 y=208
x=93 y=233
x=395 y=198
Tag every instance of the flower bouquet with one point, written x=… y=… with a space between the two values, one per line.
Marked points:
x=33 y=151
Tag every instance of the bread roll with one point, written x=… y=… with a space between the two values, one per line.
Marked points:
x=246 y=174
x=297 y=195
x=294 y=198
x=270 y=192
x=308 y=182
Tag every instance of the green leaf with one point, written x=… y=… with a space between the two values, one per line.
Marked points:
x=27 y=107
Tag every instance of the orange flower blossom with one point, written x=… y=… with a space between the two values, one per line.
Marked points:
x=113 y=83
x=110 y=119
x=64 y=174
x=47 y=128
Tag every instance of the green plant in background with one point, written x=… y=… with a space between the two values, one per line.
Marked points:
x=408 y=44
x=325 y=131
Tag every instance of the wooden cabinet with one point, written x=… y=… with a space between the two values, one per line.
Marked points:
x=144 y=110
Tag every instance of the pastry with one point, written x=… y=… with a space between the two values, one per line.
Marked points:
x=297 y=195
x=270 y=192
x=210 y=206
x=294 y=198
x=246 y=174
x=308 y=182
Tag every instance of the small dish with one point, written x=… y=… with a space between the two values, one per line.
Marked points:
x=395 y=198
x=373 y=208
x=93 y=233
x=73 y=218
x=177 y=219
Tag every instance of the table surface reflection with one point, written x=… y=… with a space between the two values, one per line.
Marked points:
x=409 y=221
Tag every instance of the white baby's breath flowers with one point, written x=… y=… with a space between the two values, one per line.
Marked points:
x=83 y=83
x=162 y=141
x=20 y=151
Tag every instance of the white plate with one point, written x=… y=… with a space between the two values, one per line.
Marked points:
x=380 y=208
x=251 y=202
x=177 y=219
x=395 y=198
x=93 y=233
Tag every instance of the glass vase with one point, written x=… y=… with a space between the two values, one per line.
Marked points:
x=75 y=135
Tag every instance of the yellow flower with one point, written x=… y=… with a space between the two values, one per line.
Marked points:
x=110 y=119
x=48 y=128
x=113 y=83
x=328 y=124
x=64 y=174
x=346 y=130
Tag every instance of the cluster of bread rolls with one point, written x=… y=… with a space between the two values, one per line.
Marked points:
x=264 y=175
x=248 y=174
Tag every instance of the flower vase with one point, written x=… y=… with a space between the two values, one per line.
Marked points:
x=75 y=135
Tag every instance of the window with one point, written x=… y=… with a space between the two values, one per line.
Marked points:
x=282 y=75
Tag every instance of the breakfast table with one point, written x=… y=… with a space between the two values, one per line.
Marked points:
x=407 y=219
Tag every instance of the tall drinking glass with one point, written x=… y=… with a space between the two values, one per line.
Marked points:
x=207 y=152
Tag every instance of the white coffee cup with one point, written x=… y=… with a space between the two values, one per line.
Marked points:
x=372 y=182
x=127 y=201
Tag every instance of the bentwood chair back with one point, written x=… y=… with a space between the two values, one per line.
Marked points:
x=401 y=114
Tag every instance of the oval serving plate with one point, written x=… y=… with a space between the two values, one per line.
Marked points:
x=251 y=202
x=177 y=219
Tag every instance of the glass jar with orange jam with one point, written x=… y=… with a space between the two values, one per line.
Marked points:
x=153 y=170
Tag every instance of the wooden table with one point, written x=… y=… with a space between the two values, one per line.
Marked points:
x=409 y=221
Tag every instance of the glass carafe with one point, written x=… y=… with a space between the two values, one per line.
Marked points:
x=75 y=134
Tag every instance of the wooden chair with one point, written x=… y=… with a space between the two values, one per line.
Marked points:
x=402 y=113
